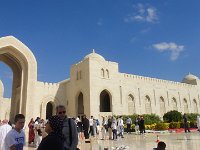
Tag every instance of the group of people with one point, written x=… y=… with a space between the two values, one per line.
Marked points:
x=61 y=132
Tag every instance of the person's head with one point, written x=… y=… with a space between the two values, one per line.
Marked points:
x=61 y=111
x=19 y=122
x=161 y=146
x=91 y=117
x=5 y=121
x=54 y=124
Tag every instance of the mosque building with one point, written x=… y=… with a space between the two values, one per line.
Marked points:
x=95 y=87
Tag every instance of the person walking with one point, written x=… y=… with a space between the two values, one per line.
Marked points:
x=91 y=122
x=69 y=129
x=142 y=125
x=31 y=133
x=15 y=139
x=128 y=124
x=121 y=127
x=114 y=128
x=86 y=127
x=185 y=122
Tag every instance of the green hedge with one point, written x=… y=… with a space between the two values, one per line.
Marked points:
x=172 y=116
x=148 y=118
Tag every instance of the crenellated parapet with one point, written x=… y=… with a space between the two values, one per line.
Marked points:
x=155 y=80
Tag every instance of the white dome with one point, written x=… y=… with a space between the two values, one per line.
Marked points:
x=94 y=55
x=190 y=77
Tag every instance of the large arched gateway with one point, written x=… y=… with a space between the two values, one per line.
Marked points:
x=23 y=64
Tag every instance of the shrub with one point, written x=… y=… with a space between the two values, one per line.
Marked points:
x=192 y=117
x=150 y=127
x=193 y=124
x=174 y=125
x=162 y=126
x=172 y=116
x=151 y=119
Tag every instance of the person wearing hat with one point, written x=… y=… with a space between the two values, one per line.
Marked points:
x=55 y=139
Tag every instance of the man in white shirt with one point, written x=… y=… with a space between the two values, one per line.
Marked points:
x=91 y=122
x=4 y=129
x=121 y=127
x=15 y=139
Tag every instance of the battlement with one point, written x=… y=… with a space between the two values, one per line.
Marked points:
x=149 y=79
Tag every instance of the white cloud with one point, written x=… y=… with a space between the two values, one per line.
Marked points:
x=172 y=47
x=143 y=13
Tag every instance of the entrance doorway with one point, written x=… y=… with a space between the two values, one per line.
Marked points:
x=49 y=110
x=105 y=102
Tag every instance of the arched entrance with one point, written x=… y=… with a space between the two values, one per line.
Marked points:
x=24 y=67
x=49 y=110
x=80 y=104
x=105 y=102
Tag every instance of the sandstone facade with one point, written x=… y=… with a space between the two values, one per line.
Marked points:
x=95 y=87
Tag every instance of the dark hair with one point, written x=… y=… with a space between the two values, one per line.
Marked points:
x=19 y=116
x=161 y=145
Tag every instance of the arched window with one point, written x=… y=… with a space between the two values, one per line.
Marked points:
x=80 y=75
x=195 y=106
x=131 y=104
x=77 y=75
x=102 y=72
x=107 y=73
x=162 y=106
x=148 y=105
x=105 y=102
x=174 y=104
x=185 y=105
x=80 y=104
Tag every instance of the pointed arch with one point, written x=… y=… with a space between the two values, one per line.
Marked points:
x=102 y=73
x=195 y=106
x=148 y=105
x=49 y=109
x=80 y=108
x=24 y=66
x=107 y=73
x=162 y=106
x=131 y=104
x=174 y=104
x=105 y=101
x=185 y=105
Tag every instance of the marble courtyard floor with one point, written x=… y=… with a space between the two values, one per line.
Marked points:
x=174 y=141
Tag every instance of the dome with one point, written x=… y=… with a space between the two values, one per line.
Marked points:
x=190 y=77
x=94 y=55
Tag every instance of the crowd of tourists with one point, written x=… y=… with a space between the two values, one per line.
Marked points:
x=63 y=133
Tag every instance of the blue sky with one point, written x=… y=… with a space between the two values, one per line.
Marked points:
x=154 y=38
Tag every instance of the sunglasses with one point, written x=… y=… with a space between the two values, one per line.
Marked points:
x=62 y=112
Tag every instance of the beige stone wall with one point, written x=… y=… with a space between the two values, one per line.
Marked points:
x=128 y=93
x=4 y=108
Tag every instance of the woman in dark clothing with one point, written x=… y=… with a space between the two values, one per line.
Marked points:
x=54 y=140
x=142 y=125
